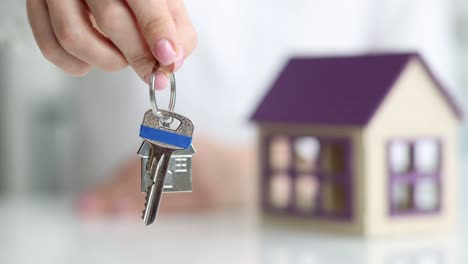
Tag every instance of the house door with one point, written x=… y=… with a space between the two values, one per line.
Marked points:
x=307 y=175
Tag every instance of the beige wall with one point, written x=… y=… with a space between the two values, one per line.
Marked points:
x=414 y=108
x=354 y=133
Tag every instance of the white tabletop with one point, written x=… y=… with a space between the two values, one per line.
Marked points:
x=47 y=231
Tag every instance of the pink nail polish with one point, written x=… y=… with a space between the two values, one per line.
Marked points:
x=180 y=61
x=165 y=52
x=161 y=81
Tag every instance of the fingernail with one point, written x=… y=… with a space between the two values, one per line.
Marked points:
x=180 y=61
x=161 y=81
x=165 y=52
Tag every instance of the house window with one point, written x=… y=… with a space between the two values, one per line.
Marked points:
x=333 y=198
x=307 y=187
x=333 y=159
x=414 y=174
x=334 y=176
x=306 y=154
x=280 y=190
x=309 y=175
x=280 y=154
x=280 y=182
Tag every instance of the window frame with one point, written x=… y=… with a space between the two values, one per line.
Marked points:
x=413 y=177
x=343 y=178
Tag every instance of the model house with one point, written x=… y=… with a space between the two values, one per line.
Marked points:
x=359 y=144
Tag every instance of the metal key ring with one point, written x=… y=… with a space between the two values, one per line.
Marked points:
x=152 y=93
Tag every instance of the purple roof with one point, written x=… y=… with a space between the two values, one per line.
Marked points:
x=335 y=90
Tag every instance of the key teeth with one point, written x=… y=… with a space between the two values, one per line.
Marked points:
x=148 y=191
x=146 y=202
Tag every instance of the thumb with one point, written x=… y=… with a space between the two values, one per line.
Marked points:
x=158 y=27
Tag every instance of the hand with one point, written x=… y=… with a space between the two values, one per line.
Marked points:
x=223 y=176
x=77 y=35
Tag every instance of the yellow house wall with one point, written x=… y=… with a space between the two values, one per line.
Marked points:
x=355 y=225
x=414 y=108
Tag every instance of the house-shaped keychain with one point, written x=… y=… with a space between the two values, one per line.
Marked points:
x=179 y=174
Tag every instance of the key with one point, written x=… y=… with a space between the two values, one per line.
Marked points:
x=164 y=135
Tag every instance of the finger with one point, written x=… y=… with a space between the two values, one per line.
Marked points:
x=38 y=16
x=116 y=21
x=185 y=30
x=158 y=28
x=74 y=31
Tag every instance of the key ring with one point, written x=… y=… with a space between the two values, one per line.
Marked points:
x=152 y=93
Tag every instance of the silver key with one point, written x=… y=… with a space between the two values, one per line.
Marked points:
x=165 y=135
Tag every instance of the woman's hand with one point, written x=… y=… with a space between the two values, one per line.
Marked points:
x=77 y=35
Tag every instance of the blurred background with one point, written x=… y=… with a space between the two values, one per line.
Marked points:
x=61 y=136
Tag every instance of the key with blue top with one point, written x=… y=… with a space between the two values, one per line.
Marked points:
x=166 y=132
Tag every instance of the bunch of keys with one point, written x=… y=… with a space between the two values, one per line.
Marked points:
x=165 y=153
